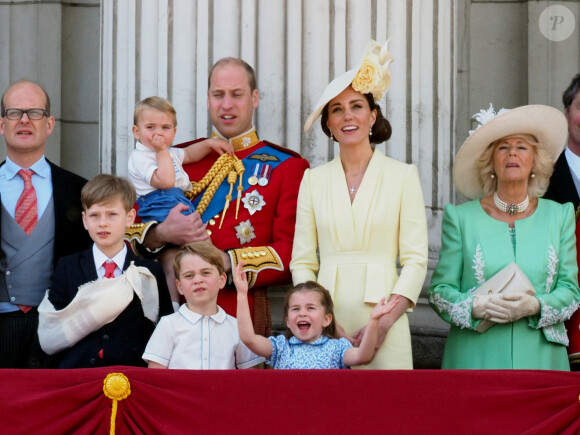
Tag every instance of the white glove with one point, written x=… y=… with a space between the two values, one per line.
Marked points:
x=484 y=306
x=518 y=305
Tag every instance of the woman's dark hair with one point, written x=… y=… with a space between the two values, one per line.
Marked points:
x=381 y=128
x=325 y=300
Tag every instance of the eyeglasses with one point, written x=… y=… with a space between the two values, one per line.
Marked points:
x=16 y=114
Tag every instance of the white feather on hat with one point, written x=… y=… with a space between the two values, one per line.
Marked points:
x=547 y=124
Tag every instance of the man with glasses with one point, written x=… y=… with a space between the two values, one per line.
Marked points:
x=40 y=222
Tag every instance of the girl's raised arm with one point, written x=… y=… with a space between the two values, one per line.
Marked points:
x=256 y=343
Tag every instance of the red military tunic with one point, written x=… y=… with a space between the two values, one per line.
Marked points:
x=271 y=226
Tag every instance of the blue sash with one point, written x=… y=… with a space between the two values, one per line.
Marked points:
x=219 y=199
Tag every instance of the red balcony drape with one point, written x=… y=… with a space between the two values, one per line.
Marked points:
x=309 y=401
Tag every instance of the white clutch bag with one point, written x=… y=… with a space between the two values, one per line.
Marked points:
x=508 y=280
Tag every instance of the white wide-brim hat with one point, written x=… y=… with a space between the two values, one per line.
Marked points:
x=547 y=124
x=375 y=78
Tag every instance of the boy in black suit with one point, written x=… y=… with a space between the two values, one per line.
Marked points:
x=104 y=302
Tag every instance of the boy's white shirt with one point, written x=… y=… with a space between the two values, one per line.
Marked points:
x=189 y=340
x=143 y=163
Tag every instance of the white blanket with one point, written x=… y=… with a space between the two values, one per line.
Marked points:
x=96 y=304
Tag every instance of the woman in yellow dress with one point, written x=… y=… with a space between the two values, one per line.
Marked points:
x=361 y=212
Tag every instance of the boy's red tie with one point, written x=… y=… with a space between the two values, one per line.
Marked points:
x=109 y=269
x=109 y=273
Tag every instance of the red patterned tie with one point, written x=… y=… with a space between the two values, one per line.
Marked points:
x=109 y=273
x=26 y=214
x=109 y=269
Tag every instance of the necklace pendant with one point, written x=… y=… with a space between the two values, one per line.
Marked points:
x=511 y=208
x=352 y=190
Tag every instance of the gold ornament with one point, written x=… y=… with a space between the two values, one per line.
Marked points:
x=116 y=386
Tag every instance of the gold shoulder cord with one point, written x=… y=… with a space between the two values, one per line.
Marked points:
x=212 y=180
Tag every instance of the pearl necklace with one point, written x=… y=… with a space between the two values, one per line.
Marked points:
x=511 y=208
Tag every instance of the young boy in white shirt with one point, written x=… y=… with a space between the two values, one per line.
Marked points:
x=200 y=335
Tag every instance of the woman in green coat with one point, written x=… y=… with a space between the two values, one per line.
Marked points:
x=505 y=166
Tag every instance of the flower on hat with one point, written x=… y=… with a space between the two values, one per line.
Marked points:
x=374 y=76
x=484 y=116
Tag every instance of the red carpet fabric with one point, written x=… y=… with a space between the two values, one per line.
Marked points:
x=300 y=401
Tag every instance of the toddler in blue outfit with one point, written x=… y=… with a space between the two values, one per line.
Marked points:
x=156 y=170
x=311 y=340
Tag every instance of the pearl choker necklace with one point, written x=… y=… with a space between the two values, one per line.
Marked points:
x=511 y=208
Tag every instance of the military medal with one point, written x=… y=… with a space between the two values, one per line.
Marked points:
x=253 y=201
x=253 y=180
x=245 y=232
x=265 y=177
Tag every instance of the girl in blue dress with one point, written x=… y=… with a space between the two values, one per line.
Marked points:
x=311 y=340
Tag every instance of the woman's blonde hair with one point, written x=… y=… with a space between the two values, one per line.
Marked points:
x=542 y=168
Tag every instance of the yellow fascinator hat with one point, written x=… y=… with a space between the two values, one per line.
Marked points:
x=371 y=76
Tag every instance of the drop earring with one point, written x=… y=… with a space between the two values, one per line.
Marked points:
x=492 y=175
x=532 y=175
x=331 y=137
x=371 y=130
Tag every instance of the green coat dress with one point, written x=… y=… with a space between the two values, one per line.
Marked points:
x=474 y=247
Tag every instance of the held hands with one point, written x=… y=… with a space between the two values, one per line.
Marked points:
x=480 y=305
x=240 y=279
x=505 y=308
x=385 y=321
x=383 y=308
x=514 y=306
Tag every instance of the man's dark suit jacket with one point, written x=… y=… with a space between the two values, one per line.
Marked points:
x=562 y=188
x=124 y=339
x=69 y=233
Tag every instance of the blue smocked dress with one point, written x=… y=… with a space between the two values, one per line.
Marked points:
x=324 y=353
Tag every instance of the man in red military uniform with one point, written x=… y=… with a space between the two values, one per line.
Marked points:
x=246 y=208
